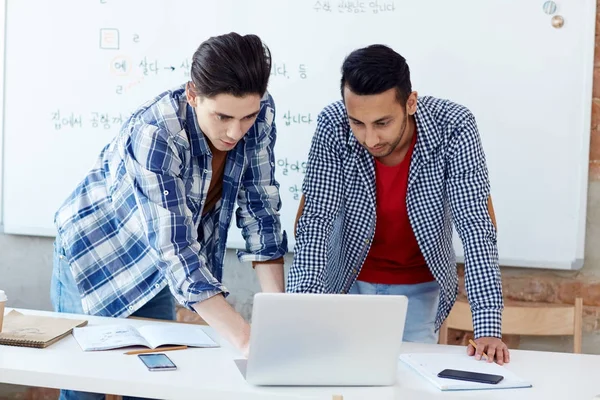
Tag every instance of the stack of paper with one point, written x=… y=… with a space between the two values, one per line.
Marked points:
x=429 y=365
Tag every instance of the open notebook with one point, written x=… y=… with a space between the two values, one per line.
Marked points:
x=429 y=365
x=102 y=337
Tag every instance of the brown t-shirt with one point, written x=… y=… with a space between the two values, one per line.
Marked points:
x=215 y=190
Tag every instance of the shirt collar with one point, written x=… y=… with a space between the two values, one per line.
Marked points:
x=429 y=136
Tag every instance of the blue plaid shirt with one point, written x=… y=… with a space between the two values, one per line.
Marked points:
x=448 y=182
x=135 y=223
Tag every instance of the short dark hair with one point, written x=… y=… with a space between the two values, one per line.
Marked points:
x=232 y=64
x=375 y=69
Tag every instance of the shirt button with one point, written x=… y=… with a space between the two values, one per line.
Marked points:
x=166 y=192
x=130 y=308
x=206 y=171
x=202 y=202
x=367 y=241
x=61 y=257
x=157 y=286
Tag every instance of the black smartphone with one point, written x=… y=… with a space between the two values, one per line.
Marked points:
x=157 y=362
x=470 y=376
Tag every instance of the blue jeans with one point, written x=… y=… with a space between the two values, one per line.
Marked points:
x=423 y=299
x=65 y=298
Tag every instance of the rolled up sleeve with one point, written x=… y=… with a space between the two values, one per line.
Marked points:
x=259 y=199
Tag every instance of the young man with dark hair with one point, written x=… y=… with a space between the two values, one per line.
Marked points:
x=388 y=174
x=148 y=224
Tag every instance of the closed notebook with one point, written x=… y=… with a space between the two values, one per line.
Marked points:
x=428 y=365
x=35 y=331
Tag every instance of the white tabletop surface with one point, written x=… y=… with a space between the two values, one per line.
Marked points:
x=212 y=373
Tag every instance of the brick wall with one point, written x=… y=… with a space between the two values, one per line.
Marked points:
x=595 y=133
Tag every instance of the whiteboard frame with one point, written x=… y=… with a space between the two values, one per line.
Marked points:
x=588 y=73
x=586 y=116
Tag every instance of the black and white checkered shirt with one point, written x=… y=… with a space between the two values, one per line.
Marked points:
x=448 y=184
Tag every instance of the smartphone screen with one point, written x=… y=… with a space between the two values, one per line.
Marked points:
x=470 y=376
x=157 y=362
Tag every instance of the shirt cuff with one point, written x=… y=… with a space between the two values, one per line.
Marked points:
x=487 y=323
x=266 y=256
x=195 y=289
x=200 y=297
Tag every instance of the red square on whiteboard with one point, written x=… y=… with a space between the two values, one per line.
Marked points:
x=109 y=38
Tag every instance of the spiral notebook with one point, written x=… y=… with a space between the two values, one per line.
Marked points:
x=35 y=331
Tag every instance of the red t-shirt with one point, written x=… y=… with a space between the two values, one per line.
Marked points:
x=394 y=257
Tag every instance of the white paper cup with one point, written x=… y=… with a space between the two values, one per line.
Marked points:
x=2 y=304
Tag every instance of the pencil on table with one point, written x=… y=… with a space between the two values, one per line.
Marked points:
x=475 y=346
x=157 y=350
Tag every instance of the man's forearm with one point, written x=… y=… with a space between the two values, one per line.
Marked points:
x=228 y=323
x=270 y=276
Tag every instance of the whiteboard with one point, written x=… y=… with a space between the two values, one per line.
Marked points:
x=90 y=63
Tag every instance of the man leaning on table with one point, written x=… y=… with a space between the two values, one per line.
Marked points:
x=388 y=174
x=148 y=224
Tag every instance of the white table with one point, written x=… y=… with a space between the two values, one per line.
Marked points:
x=212 y=374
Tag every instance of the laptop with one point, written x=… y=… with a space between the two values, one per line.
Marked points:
x=325 y=339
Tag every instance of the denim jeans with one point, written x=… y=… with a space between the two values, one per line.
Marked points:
x=65 y=298
x=423 y=299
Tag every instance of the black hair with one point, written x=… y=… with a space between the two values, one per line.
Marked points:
x=231 y=64
x=375 y=69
